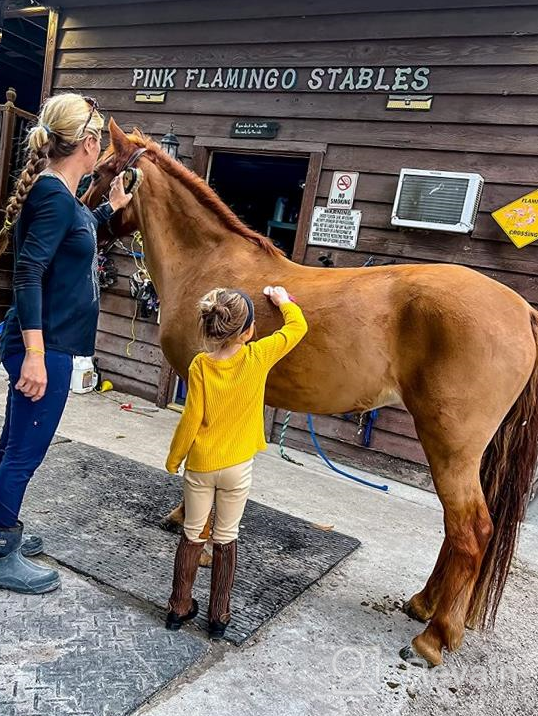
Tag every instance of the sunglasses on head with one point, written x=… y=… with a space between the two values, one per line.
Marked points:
x=94 y=107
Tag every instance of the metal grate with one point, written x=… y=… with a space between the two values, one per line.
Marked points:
x=432 y=199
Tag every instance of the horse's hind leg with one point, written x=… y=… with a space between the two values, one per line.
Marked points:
x=468 y=529
x=173 y=522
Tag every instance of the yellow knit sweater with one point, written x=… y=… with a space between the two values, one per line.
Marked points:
x=222 y=423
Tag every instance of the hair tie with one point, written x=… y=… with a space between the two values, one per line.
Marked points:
x=47 y=129
x=7 y=224
x=250 y=307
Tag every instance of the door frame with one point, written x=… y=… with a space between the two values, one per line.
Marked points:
x=202 y=150
x=315 y=151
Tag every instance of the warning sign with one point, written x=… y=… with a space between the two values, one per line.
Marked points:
x=335 y=227
x=519 y=220
x=343 y=188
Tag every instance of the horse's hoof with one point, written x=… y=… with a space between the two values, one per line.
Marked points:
x=169 y=525
x=411 y=613
x=410 y=655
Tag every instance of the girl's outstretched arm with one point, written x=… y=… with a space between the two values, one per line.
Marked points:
x=281 y=342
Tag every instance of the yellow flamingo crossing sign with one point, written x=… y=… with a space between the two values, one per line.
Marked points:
x=519 y=219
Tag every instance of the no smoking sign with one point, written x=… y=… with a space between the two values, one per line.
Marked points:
x=343 y=188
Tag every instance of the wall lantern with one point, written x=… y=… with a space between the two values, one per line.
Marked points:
x=170 y=143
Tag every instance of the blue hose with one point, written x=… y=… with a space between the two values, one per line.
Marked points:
x=326 y=460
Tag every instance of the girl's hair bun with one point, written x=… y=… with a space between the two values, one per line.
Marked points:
x=223 y=314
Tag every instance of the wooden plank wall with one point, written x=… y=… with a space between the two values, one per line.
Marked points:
x=132 y=367
x=484 y=75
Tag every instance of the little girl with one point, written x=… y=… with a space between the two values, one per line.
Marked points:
x=220 y=432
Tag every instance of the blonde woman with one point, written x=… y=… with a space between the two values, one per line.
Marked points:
x=55 y=311
x=220 y=432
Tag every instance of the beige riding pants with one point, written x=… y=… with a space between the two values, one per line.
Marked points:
x=228 y=489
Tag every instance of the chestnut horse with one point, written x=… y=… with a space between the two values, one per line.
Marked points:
x=458 y=349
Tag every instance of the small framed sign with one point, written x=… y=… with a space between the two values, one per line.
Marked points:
x=338 y=228
x=151 y=97
x=413 y=102
x=254 y=129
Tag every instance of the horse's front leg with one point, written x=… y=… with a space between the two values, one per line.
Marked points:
x=173 y=522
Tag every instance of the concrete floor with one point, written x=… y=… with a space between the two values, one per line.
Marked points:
x=335 y=650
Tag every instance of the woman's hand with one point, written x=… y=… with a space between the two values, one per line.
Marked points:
x=33 y=379
x=277 y=294
x=117 y=197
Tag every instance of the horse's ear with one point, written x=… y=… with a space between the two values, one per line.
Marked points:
x=119 y=139
x=138 y=133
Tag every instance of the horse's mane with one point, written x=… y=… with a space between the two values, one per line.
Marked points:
x=203 y=192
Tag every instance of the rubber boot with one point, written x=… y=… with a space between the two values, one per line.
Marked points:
x=31 y=546
x=183 y=607
x=19 y=574
x=222 y=579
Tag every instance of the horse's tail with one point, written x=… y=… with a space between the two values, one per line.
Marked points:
x=507 y=474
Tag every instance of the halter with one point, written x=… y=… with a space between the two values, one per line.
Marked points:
x=128 y=164
x=131 y=161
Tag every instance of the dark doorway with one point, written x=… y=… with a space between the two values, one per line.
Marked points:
x=265 y=191
x=22 y=58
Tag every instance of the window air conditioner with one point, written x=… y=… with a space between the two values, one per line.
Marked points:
x=439 y=201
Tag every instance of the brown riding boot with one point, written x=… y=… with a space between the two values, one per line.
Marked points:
x=182 y=606
x=222 y=579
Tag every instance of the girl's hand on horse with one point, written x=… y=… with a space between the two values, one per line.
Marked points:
x=33 y=378
x=277 y=294
x=117 y=197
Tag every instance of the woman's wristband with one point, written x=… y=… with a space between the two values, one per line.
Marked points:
x=39 y=351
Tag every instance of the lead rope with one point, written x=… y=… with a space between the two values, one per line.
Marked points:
x=323 y=456
x=143 y=270
x=137 y=237
x=283 y=454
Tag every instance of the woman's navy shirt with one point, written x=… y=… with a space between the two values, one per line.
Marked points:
x=55 y=282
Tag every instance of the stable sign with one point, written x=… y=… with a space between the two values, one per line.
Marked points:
x=343 y=188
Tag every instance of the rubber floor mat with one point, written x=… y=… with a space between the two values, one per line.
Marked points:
x=99 y=514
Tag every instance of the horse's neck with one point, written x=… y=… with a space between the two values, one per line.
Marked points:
x=164 y=215
x=189 y=251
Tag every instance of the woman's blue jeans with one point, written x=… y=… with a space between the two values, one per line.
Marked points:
x=28 y=430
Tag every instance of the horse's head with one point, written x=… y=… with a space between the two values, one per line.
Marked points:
x=123 y=148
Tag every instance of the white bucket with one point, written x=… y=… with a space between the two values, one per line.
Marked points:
x=83 y=378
